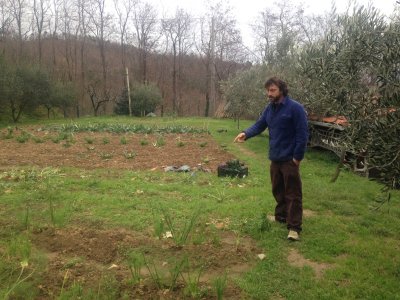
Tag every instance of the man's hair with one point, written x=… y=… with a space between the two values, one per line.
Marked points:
x=279 y=83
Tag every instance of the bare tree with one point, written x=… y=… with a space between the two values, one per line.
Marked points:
x=18 y=11
x=312 y=27
x=98 y=98
x=206 y=48
x=124 y=11
x=178 y=31
x=265 y=35
x=100 y=25
x=219 y=39
x=281 y=30
x=53 y=25
x=5 y=20
x=82 y=29
x=145 y=24
x=67 y=32
x=40 y=9
x=229 y=49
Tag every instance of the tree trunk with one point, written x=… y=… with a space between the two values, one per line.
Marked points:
x=174 y=93
x=206 y=111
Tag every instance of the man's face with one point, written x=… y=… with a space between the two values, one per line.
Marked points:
x=273 y=93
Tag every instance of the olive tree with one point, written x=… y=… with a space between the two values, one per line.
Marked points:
x=244 y=93
x=354 y=72
x=384 y=148
x=29 y=86
x=62 y=95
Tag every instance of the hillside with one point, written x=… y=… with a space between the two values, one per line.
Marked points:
x=79 y=61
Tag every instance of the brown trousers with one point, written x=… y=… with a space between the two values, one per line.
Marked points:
x=286 y=188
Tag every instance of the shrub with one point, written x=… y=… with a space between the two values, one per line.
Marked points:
x=145 y=99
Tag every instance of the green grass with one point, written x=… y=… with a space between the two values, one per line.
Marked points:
x=360 y=244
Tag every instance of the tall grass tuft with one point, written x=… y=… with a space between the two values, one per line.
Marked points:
x=176 y=270
x=22 y=138
x=51 y=211
x=160 y=142
x=220 y=285
x=192 y=283
x=19 y=280
x=26 y=218
x=135 y=262
x=180 y=237
x=154 y=273
x=123 y=140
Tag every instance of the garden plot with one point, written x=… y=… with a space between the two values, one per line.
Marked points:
x=95 y=234
x=63 y=249
x=135 y=148
x=138 y=266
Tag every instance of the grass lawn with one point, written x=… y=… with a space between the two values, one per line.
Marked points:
x=104 y=233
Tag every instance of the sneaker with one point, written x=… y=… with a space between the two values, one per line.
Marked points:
x=293 y=235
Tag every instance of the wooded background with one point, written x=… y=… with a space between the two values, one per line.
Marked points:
x=72 y=56
x=91 y=43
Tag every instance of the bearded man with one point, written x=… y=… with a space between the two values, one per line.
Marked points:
x=286 y=121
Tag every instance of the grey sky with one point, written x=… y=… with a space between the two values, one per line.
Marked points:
x=246 y=10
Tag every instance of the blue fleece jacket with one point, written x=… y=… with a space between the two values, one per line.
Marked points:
x=288 y=131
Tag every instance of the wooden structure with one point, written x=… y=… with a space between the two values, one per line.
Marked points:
x=327 y=133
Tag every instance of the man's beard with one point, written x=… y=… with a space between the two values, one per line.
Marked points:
x=274 y=99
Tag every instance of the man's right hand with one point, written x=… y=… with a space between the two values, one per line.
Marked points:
x=241 y=137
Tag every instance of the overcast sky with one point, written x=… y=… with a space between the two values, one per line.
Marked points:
x=246 y=10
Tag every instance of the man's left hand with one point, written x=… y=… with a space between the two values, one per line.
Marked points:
x=296 y=162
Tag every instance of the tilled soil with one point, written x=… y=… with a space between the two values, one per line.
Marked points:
x=91 y=150
x=95 y=258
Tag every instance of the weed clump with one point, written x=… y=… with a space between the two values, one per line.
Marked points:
x=233 y=168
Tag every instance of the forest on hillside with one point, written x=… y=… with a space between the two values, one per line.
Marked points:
x=88 y=46
x=91 y=44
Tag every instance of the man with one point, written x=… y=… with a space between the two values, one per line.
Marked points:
x=286 y=121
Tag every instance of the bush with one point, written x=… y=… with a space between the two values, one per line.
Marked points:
x=62 y=95
x=144 y=99
x=122 y=104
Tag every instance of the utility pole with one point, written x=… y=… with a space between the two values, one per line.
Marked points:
x=129 y=91
x=212 y=68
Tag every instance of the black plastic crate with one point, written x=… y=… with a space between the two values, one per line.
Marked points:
x=233 y=168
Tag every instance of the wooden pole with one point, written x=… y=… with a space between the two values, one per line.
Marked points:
x=212 y=70
x=129 y=92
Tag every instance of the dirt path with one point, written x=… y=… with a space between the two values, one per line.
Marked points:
x=246 y=151
x=297 y=260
